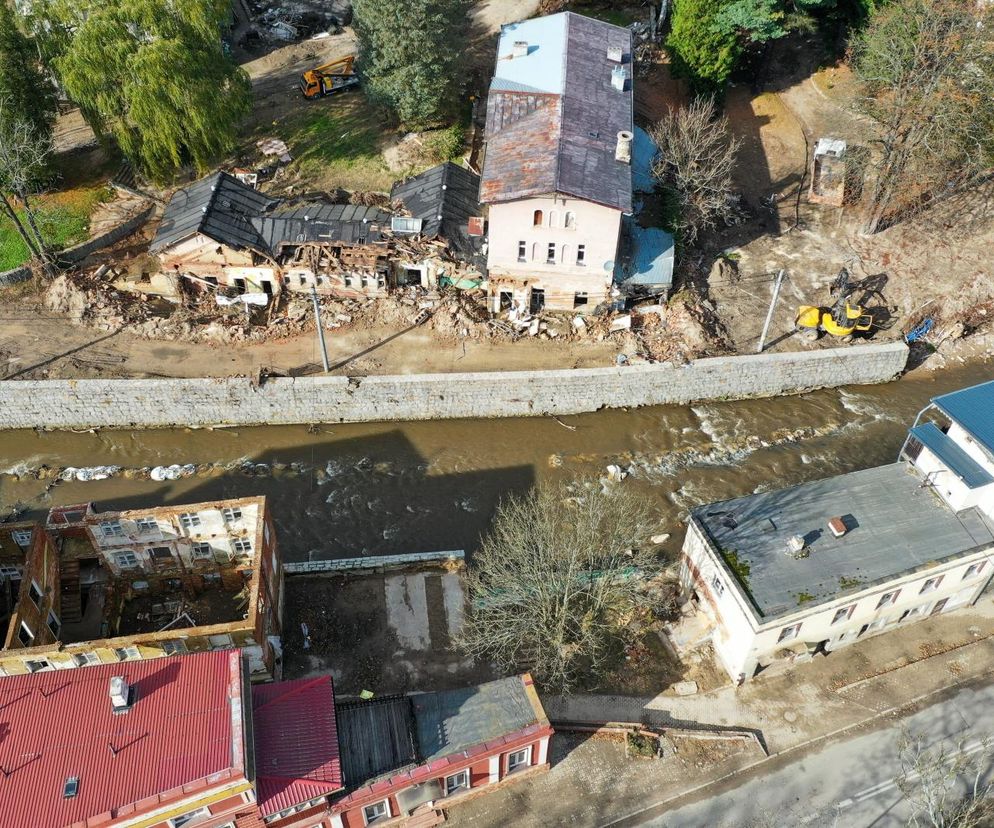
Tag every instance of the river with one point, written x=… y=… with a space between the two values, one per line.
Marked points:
x=344 y=490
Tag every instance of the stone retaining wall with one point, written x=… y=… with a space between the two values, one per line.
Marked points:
x=99 y=403
x=12 y=277
x=78 y=252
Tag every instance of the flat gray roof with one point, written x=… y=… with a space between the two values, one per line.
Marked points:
x=895 y=527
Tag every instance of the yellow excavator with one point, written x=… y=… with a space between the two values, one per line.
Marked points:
x=329 y=79
x=843 y=319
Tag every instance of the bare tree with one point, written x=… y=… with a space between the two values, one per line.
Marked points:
x=926 y=69
x=697 y=156
x=554 y=579
x=23 y=157
x=945 y=785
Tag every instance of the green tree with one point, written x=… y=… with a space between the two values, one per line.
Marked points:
x=702 y=51
x=154 y=75
x=23 y=86
x=409 y=56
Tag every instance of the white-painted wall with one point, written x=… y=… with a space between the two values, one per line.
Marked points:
x=956 y=493
x=742 y=641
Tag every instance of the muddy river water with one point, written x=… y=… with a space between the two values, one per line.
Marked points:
x=344 y=490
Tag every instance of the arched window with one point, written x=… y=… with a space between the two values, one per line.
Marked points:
x=553 y=218
x=570 y=223
x=564 y=255
x=536 y=251
x=537 y=218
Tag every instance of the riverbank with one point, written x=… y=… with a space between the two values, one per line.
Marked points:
x=83 y=404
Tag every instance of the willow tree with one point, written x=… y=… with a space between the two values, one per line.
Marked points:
x=409 y=56
x=927 y=73
x=555 y=580
x=153 y=74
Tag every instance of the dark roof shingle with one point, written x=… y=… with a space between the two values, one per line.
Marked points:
x=444 y=198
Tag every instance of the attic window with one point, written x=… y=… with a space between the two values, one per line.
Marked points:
x=405 y=224
x=71 y=788
x=593 y=134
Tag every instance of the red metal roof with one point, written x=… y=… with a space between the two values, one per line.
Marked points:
x=296 y=742
x=181 y=728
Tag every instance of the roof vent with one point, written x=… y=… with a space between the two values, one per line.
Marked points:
x=623 y=150
x=619 y=77
x=837 y=526
x=615 y=54
x=796 y=547
x=120 y=694
x=520 y=49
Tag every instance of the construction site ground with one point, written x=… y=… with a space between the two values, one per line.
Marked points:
x=857 y=689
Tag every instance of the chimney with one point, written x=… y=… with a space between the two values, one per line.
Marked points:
x=619 y=75
x=120 y=694
x=623 y=152
x=615 y=54
x=520 y=49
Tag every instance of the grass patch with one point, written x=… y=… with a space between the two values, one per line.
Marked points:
x=740 y=567
x=804 y=598
x=848 y=583
x=63 y=219
x=444 y=144
x=336 y=144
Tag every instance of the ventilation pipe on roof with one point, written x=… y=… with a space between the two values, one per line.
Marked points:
x=623 y=151
x=120 y=694
x=520 y=49
x=615 y=54
x=619 y=76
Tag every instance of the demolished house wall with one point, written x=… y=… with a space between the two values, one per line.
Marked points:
x=35 y=619
x=150 y=552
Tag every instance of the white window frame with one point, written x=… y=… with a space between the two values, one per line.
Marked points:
x=526 y=763
x=463 y=785
x=58 y=623
x=974 y=569
x=190 y=520
x=176 y=647
x=198 y=551
x=242 y=546
x=131 y=653
x=190 y=816
x=916 y=612
x=85 y=659
x=718 y=585
x=146 y=525
x=789 y=633
x=888 y=599
x=33 y=588
x=386 y=813
x=22 y=537
x=522 y=251
x=843 y=614
x=127 y=554
x=31 y=636
x=931 y=585
x=231 y=514
x=46 y=665
x=10 y=571
x=111 y=529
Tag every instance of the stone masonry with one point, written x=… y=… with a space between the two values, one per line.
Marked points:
x=338 y=399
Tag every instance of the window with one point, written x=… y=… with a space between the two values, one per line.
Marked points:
x=189 y=520
x=84 y=659
x=127 y=653
x=71 y=788
x=112 y=529
x=570 y=222
x=39 y=666
x=519 y=759
x=843 y=614
x=376 y=811
x=186 y=819
x=550 y=255
x=34 y=593
x=10 y=572
x=25 y=635
x=405 y=224
x=161 y=552
x=717 y=586
x=522 y=249
x=931 y=585
x=22 y=537
x=579 y=299
x=974 y=570
x=53 y=623
x=457 y=782
x=537 y=218
x=221 y=642
x=888 y=598
x=231 y=514
x=173 y=647
x=126 y=560
x=913 y=612
x=788 y=633
x=145 y=525
x=204 y=551
x=242 y=546
x=581 y=254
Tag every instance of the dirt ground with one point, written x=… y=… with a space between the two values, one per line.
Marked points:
x=385 y=633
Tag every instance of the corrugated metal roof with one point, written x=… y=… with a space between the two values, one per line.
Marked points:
x=220 y=207
x=952 y=455
x=451 y=721
x=553 y=115
x=296 y=742
x=55 y=725
x=973 y=409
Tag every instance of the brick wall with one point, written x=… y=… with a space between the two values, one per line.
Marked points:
x=201 y=402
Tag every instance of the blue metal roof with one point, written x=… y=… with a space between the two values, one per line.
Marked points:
x=973 y=409
x=958 y=461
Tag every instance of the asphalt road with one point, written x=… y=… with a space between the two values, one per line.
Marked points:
x=846 y=785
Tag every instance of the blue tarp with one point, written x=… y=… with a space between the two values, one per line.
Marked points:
x=644 y=152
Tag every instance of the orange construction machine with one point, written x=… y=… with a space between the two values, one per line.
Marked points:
x=333 y=77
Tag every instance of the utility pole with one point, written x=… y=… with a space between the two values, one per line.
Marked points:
x=317 y=321
x=769 y=313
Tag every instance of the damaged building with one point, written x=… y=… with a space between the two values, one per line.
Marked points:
x=103 y=587
x=221 y=233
